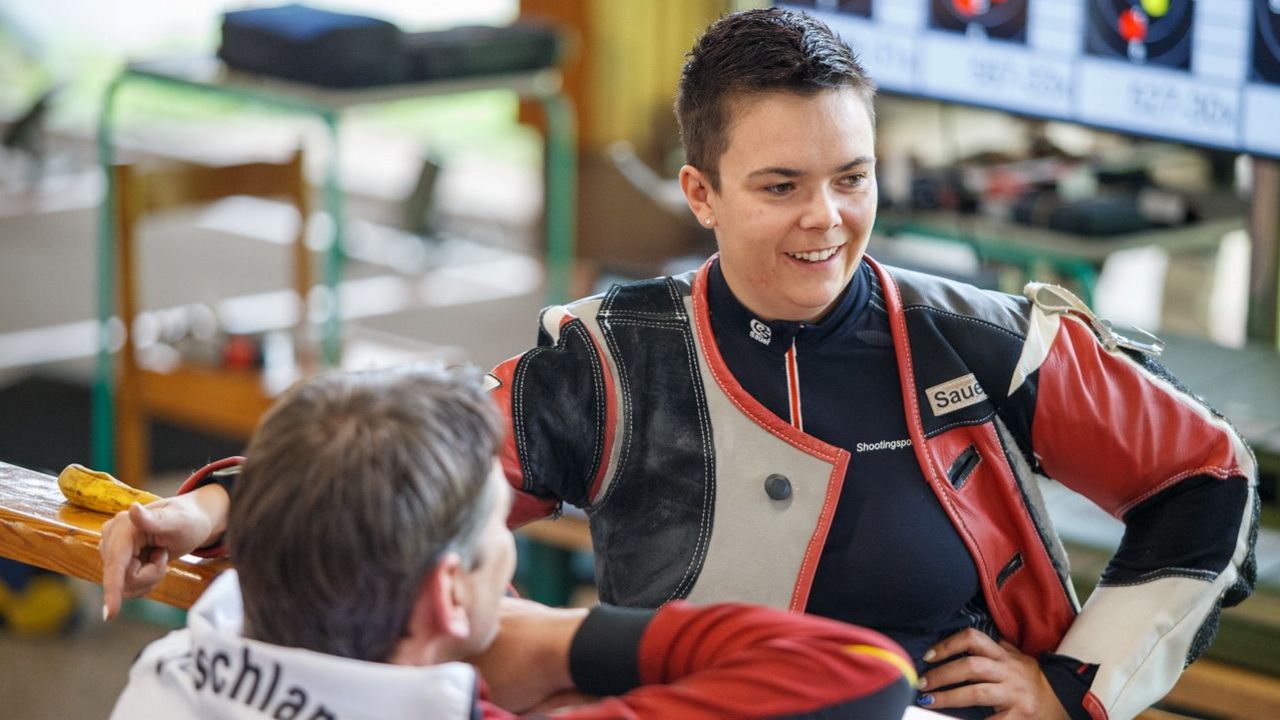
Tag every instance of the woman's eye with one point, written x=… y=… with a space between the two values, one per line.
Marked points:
x=780 y=188
x=855 y=179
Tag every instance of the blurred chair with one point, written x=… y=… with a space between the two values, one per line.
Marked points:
x=204 y=396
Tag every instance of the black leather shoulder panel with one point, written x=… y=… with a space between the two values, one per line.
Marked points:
x=652 y=526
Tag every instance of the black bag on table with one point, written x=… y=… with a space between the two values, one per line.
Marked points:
x=481 y=50
x=314 y=46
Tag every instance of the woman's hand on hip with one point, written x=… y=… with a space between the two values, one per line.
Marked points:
x=994 y=674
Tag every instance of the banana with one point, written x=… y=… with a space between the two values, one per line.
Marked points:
x=99 y=491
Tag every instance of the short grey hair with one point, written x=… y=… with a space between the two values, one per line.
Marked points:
x=354 y=486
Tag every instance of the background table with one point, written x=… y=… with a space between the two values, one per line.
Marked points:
x=1241 y=383
x=1073 y=256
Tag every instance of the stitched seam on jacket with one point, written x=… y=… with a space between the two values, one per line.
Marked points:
x=624 y=453
x=677 y=302
x=647 y=324
x=1222 y=473
x=517 y=401
x=1154 y=575
x=967 y=318
x=640 y=316
x=598 y=382
x=633 y=315
x=704 y=526
x=980 y=421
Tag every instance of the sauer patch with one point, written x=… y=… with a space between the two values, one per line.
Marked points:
x=955 y=394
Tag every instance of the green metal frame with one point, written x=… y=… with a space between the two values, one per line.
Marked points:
x=1085 y=273
x=560 y=209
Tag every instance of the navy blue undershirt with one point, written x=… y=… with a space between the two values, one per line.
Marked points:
x=892 y=561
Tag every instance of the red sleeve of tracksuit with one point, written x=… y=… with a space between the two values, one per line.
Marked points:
x=733 y=661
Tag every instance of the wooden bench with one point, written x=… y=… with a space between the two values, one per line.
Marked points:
x=39 y=528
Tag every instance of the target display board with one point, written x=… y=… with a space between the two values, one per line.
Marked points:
x=1205 y=72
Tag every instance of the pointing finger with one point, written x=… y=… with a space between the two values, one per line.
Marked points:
x=117 y=550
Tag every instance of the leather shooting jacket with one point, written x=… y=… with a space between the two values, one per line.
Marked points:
x=627 y=410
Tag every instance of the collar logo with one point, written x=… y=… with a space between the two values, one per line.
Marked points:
x=760 y=332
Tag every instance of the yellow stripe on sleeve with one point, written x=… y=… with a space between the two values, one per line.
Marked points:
x=888 y=656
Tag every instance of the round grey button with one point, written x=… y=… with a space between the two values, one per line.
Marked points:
x=777 y=486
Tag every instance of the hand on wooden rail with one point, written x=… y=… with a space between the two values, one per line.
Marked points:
x=138 y=543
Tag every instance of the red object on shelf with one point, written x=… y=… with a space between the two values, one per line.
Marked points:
x=1133 y=25
x=240 y=353
x=974 y=7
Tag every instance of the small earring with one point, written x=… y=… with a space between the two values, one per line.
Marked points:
x=708 y=221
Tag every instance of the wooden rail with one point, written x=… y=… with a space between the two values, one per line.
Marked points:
x=39 y=528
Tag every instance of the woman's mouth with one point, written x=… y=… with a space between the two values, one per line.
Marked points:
x=815 y=256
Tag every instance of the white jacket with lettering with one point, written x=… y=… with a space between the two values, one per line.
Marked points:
x=209 y=671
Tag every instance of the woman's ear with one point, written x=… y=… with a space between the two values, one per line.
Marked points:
x=698 y=192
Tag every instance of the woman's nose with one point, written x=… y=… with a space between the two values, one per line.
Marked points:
x=821 y=212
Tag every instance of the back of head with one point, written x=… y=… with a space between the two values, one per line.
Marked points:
x=354 y=486
x=757 y=51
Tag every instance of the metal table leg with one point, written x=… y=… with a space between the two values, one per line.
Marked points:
x=102 y=423
x=561 y=194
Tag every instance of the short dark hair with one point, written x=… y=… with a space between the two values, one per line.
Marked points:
x=354 y=486
x=757 y=51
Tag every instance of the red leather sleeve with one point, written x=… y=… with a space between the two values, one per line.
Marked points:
x=1110 y=431
x=742 y=661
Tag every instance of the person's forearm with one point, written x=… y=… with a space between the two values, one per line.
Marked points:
x=562 y=628
x=529 y=660
x=213 y=502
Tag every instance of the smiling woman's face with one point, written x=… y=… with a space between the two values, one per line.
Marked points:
x=796 y=202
